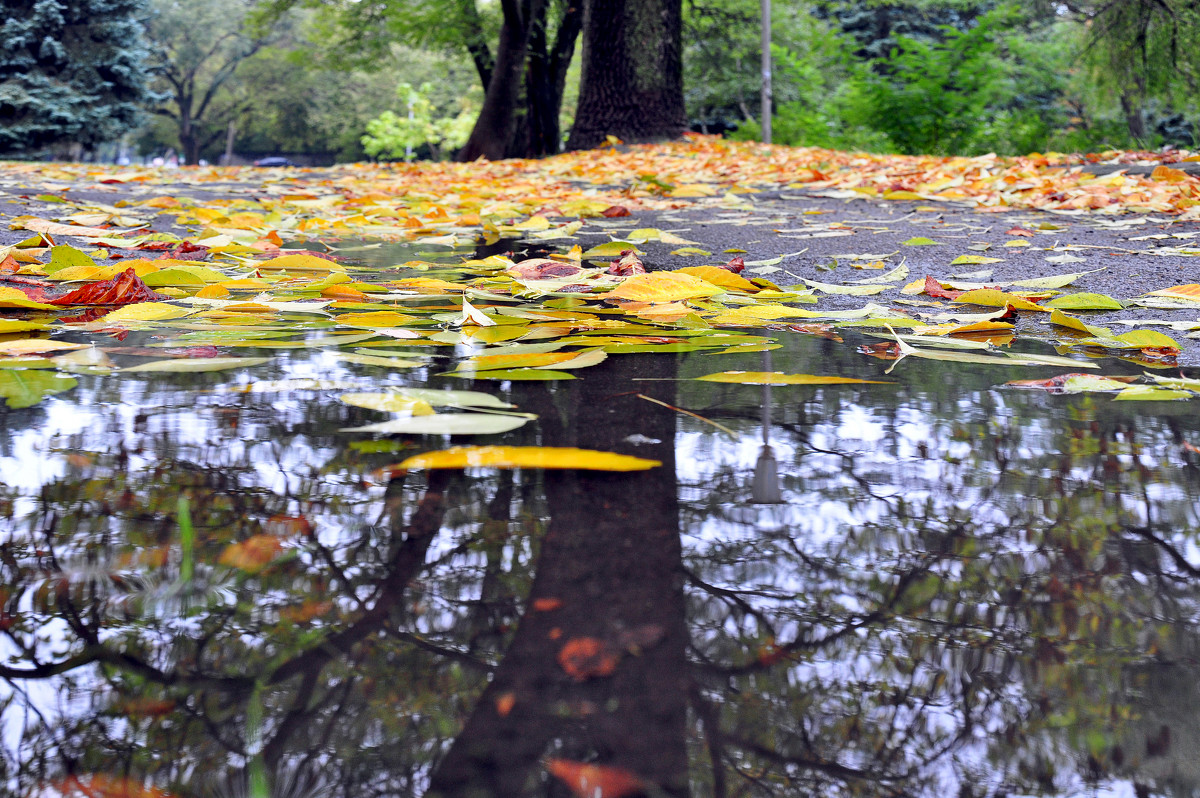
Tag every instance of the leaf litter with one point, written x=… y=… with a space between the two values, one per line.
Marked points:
x=247 y=265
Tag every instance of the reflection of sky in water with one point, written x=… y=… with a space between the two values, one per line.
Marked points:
x=852 y=462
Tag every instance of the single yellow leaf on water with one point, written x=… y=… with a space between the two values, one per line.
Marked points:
x=389 y=403
x=28 y=346
x=662 y=287
x=1146 y=393
x=19 y=325
x=300 y=263
x=197 y=364
x=526 y=457
x=1148 y=339
x=213 y=292
x=379 y=318
x=779 y=378
x=721 y=277
x=147 y=311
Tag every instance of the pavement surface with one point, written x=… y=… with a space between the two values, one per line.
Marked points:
x=834 y=240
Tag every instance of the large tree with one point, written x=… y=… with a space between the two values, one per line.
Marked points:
x=198 y=47
x=632 y=85
x=70 y=71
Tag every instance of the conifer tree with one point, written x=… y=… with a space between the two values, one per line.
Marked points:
x=70 y=71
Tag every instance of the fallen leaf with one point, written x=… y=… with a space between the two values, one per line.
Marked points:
x=528 y=457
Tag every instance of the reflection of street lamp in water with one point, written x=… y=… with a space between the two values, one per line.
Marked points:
x=766 y=471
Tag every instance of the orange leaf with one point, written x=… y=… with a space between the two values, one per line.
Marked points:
x=505 y=703
x=252 y=554
x=587 y=657
x=99 y=785
x=595 y=781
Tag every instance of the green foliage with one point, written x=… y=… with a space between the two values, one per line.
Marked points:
x=70 y=71
x=995 y=85
x=420 y=124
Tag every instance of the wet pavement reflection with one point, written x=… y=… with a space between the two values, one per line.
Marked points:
x=928 y=587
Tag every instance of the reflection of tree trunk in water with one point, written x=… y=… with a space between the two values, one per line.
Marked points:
x=611 y=556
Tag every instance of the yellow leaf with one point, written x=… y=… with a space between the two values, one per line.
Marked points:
x=721 y=277
x=990 y=297
x=971 y=260
x=689 y=251
x=1148 y=339
x=526 y=457
x=27 y=346
x=300 y=263
x=147 y=311
x=611 y=249
x=662 y=287
x=379 y=318
x=779 y=378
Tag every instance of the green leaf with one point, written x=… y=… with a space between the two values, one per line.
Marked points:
x=64 y=256
x=21 y=388
x=921 y=241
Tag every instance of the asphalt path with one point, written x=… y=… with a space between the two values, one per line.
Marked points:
x=836 y=240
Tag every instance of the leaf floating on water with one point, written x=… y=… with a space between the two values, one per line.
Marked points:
x=1150 y=393
x=187 y=365
x=435 y=398
x=779 y=378
x=29 y=346
x=25 y=387
x=1075 y=383
x=389 y=403
x=445 y=424
x=527 y=457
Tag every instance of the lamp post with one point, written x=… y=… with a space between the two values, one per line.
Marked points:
x=766 y=71
x=765 y=489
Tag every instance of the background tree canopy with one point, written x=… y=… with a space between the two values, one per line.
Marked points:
x=311 y=79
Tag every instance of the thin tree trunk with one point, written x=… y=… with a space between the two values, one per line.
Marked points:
x=493 y=133
x=632 y=85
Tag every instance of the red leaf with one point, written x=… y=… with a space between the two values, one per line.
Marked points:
x=124 y=289
x=735 y=265
x=627 y=265
x=934 y=289
x=1019 y=231
x=614 y=211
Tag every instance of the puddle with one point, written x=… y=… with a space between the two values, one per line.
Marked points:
x=937 y=585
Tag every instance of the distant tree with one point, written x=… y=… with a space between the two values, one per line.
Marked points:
x=198 y=47
x=632 y=82
x=1143 y=51
x=70 y=71
x=521 y=51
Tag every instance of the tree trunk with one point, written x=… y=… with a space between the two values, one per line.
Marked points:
x=632 y=85
x=545 y=79
x=609 y=570
x=493 y=133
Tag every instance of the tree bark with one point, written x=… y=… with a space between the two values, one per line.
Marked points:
x=609 y=570
x=493 y=134
x=632 y=84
